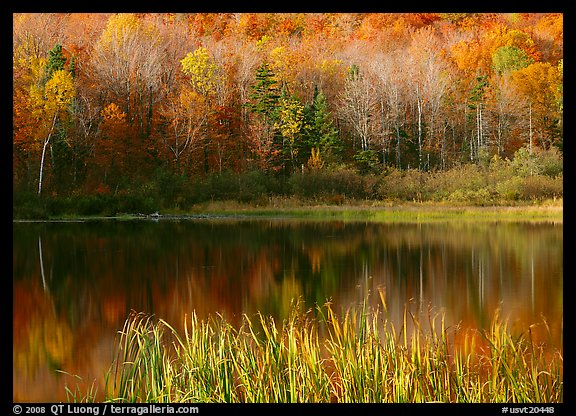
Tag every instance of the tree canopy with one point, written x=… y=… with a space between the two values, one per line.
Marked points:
x=126 y=95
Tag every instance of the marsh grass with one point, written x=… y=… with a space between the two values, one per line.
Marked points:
x=321 y=356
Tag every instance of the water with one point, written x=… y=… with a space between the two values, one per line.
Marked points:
x=74 y=284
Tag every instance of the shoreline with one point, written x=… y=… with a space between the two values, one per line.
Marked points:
x=375 y=212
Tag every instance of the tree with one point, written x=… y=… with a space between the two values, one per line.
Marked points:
x=201 y=70
x=538 y=84
x=320 y=132
x=203 y=80
x=510 y=58
x=186 y=116
x=56 y=61
x=265 y=95
x=264 y=104
x=129 y=60
x=51 y=103
x=358 y=105
x=391 y=76
x=429 y=84
x=290 y=123
x=476 y=105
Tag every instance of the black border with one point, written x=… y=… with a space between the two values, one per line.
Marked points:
x=567 y=7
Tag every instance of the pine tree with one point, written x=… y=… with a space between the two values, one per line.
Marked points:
x=265 y=96
x=56 y=61
x=321 y=134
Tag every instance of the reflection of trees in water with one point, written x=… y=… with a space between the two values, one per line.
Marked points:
x=95 y=273
x=233 y=265
x=471 y=270
x=468 y=268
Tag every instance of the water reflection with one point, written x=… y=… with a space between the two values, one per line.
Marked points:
x=75 y=283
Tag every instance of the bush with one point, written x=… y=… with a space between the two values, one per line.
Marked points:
x=27 y=205
x=530 y=188
x=540 y=162
x=510 y=190
x=479 y=197
x=542 y=187
x=551 y=162
x=254 y=186
x=403 y=185
x=344 y=183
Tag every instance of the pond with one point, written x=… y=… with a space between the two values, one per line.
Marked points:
x=75 y=283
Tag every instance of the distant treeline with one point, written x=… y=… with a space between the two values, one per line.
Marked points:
x=170 y=109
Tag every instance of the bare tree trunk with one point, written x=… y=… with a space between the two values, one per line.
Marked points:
x=443 y=148
x=530 y=125
x=46 y=141
x=419 y=101
x=398 y=159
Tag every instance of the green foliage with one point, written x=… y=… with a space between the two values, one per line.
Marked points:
x=265 y=93
x=366 y=160
x=330 y=186
x=478 y=92
x=539 y=162
x=321 y=356
x=320 y=132
x=251 y=187
x=500 y=183
x=56 y=61
x=510 y=58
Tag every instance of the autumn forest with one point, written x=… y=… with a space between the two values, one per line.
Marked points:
x=166 y=110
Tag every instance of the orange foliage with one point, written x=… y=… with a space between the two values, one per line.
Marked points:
x=133 y=61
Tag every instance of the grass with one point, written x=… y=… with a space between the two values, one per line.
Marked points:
x=385 y=212
x=321 y=356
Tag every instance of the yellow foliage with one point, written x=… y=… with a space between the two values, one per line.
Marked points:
x=113 y=113
x=291 y=115
x=285 y=63
x=59 y=90
x=315 y=162
x=263 y=42
x=201 y=69
x=119 y=25
x=48 y=100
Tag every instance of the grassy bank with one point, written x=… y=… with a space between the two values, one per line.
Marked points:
x=376 y=211
x=353 y=210
x=320 y=356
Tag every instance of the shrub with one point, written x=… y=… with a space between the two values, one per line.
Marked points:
x=510 y=190
x=479 y=197
x=542 y=187
x=27 y=205
x=551 y=162
x=404 y=185
x=530 y=188
x=321 y=184
x=254 y=186
x=540 y=162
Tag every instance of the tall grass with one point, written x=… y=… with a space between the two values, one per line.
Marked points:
x=322 y=356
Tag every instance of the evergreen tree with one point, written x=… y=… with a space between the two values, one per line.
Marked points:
x=321 y=134
x=264 y=102
x=72 y=68
x=56 y=60
x=265 y=96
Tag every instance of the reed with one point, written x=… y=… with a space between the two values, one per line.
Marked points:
x=321 y=356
